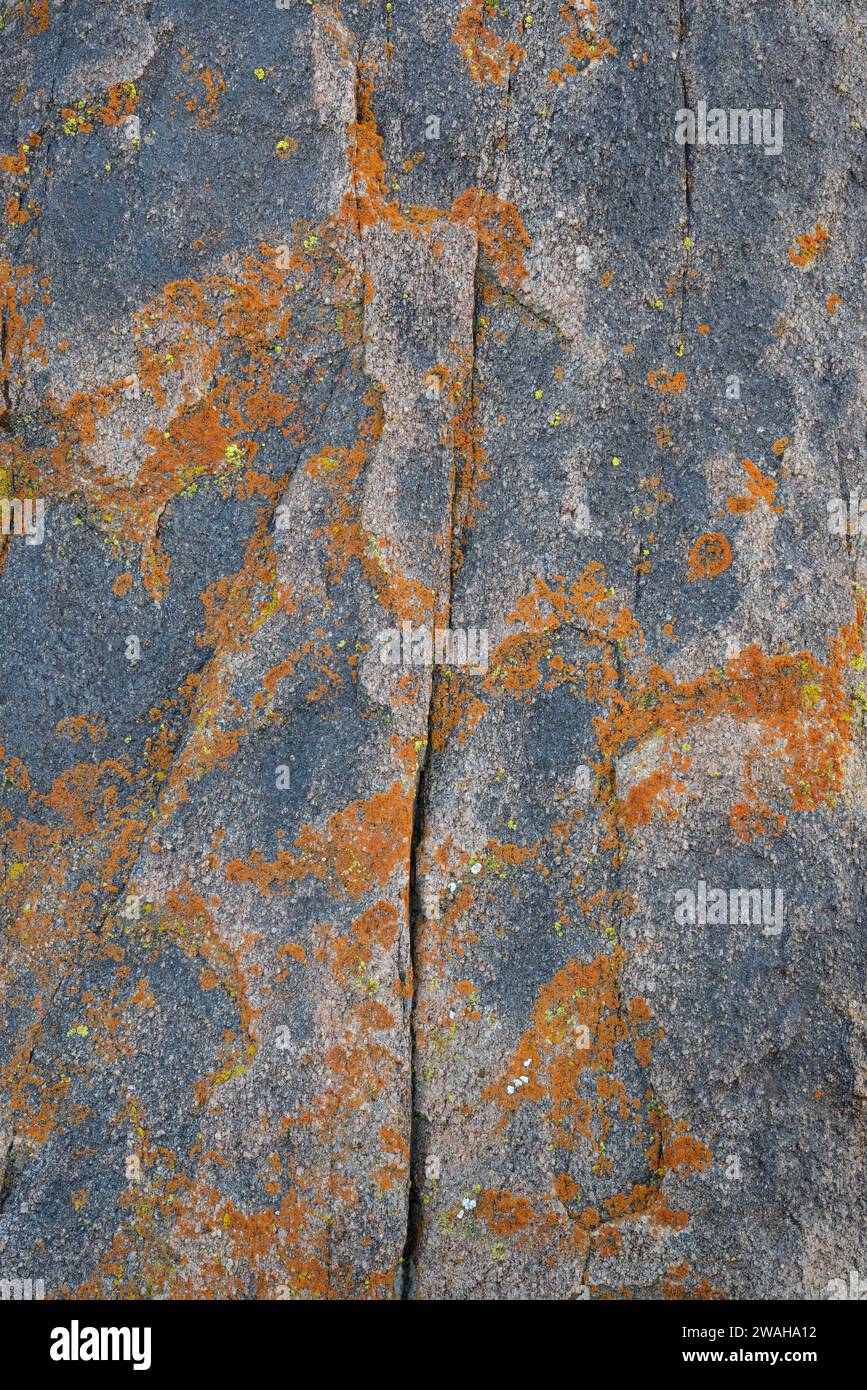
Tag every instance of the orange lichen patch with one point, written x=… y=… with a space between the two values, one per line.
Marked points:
x=393 y=1172
x=80 y=793
x=512 y=855
x=587 y=607
x=408 y=754
x=666 y=383
x=204 y=104
x=582 y=41
x=143 y=995
x=566 y=1061
x=182 y=1238
x=640 y=1013
x=496 y=223
x=359 y=1071
x=659 y=494
x=680 y=1282
x=13 y=772
x=703 y=328
x=437 y=378
x=362 y=846
x=235 y=608
x=295 y=952
x=464 y=392
x=37 y=16
x=75 y=726
x=646 y=1202
x=276 y=674
x=366 y=201
x=98 y=804
x=378 y=926
x=376 y=929
x=122 y=585
x=834 y=303
x=364 y=1062
x=16 y=164
x=76 y=122
x=406 y=599
x=488 y=57
x=799 y=703
x=15 y=213
x=710 y=556
x=455 y=710
x=685 y=1152
x=188 y=923
x=500 y=232
x=347 y=541
x=36 y=1100
x=516 y=666
x=780 y=445
x=207 y=439
x=119 y=103
x=374 y=1016
x=640 y=802
x=367 y=842
x=566 y=1188
x=568 y=1052
x=504 y=1212
x=20 y=345
x=760 y=488
x=110 y=108
x=662 y=435
x=608 y=1241
x=810 y=245
x=64 y=877
x=757 y=821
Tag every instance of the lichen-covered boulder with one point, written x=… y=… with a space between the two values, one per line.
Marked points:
x=431 y=719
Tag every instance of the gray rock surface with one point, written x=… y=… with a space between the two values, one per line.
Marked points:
x=331 y=969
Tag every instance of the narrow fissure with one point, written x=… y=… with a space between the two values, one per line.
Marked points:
x=406 y=1289
x=407 y=1274
x=6 y=409
x=687 y=171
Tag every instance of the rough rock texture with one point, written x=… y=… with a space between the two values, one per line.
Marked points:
x=332 y=973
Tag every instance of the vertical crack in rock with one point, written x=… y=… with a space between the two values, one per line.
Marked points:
x=686 y=222
x=462 y=487
x=407 y=1282
x=6 y=410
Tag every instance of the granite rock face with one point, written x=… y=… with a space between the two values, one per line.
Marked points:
x=432 y=711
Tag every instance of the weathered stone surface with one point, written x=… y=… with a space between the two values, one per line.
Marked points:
x=330 y=970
